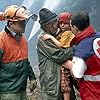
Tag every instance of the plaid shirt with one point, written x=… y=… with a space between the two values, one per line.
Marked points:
x=65 y=79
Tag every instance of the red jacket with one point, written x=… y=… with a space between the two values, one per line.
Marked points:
x=88 y=49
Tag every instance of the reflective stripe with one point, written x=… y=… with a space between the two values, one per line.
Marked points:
x=91 y=78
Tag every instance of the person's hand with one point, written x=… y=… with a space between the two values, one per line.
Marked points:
x=68 y=64
x=33 y=85
x=46 y=36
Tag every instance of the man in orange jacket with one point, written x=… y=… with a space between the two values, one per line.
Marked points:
x=14 y=65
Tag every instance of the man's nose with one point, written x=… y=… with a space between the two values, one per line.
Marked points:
x=55 y=25
x=62 y=25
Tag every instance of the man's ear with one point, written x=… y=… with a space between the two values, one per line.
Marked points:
x=11 y=24
x=76 y=28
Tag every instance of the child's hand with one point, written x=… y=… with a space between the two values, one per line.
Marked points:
x=46 y=36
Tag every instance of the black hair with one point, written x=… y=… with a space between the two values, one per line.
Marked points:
x=80 y=20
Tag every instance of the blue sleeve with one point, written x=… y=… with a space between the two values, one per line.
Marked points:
x=84 y=49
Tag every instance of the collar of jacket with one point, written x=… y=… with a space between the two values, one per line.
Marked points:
x=84 y=34
x=13 y=34
x=9 y=32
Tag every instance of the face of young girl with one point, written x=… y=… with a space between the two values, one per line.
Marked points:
x=64 y=27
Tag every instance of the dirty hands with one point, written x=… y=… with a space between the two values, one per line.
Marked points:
x=33 y=85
